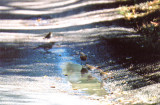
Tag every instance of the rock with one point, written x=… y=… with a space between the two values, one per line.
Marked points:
x=84 y=70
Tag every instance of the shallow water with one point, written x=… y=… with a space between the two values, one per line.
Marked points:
x=84 y=82
x=34 y=77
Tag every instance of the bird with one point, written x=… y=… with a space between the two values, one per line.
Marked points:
x=83 y=56
x=48 y=36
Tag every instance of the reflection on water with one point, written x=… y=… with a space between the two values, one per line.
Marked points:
x=84 y=82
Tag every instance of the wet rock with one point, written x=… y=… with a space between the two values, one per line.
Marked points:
x=91 y=67
x=84 y=70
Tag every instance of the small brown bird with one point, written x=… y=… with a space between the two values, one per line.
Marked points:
x=83 y=56
x=48 y=36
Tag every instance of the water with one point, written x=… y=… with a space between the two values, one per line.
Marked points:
x=34 y=77
x=84 y=82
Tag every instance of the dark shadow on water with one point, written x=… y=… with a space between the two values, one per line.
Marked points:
x=13 y=51
x=18 y=59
